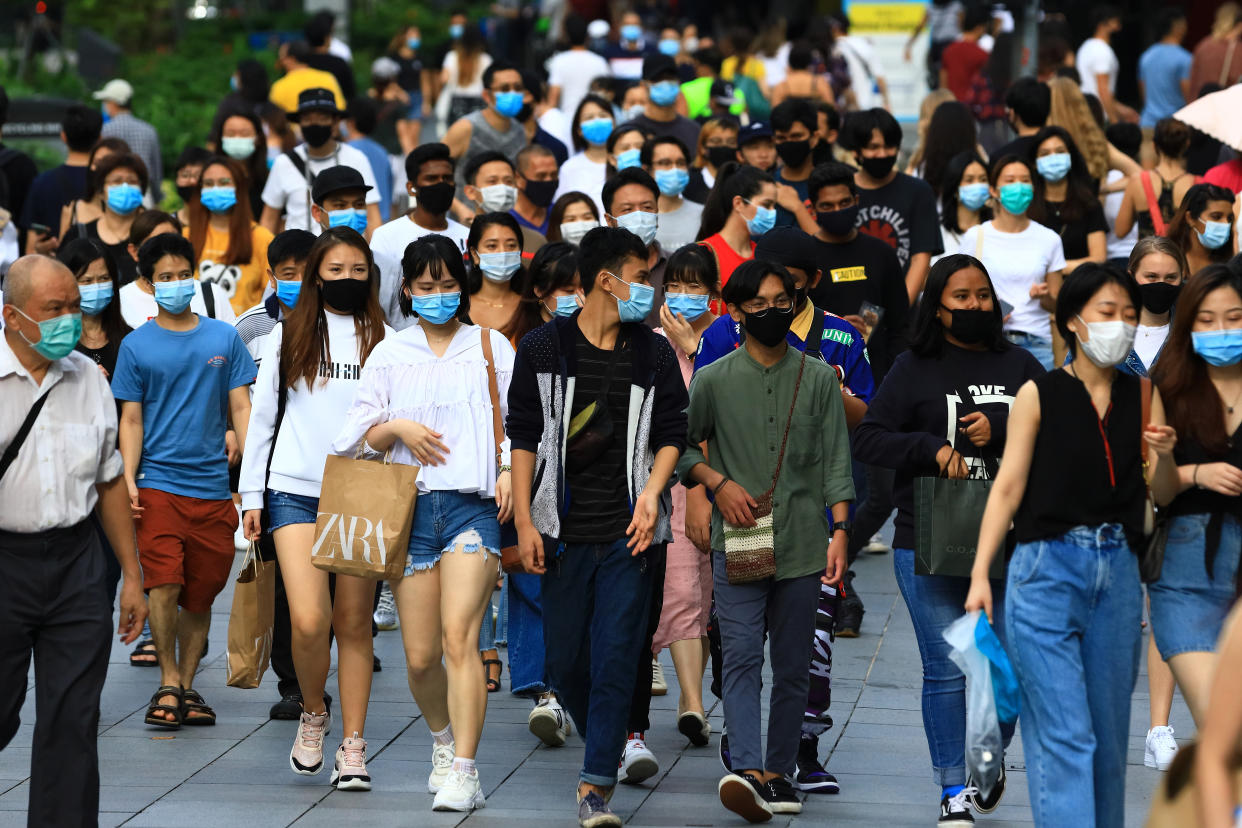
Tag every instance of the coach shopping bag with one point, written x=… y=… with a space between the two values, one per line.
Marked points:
x=250 y=621
x=365 y=511
x=947 y=514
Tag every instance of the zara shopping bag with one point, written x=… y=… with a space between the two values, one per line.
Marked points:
x=365 y=511
x=250 y=621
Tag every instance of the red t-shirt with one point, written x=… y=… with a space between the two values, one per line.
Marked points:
x=727 y=259
x=1227 y=175
x=962 y=60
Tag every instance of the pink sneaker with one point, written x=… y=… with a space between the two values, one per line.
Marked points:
x=350 y=773
x=306 y=757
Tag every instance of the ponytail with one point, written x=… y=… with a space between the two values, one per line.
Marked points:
x=732 y=180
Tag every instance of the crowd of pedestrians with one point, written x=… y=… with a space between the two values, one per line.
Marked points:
x=671 y=328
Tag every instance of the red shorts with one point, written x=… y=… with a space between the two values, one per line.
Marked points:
x=186 y=541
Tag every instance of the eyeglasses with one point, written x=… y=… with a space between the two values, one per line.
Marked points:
x=759 y=308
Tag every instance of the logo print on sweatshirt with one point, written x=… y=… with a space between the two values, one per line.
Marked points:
x=217 y=361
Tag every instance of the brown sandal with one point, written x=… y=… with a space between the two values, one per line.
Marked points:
x=493 y=684
x=175 y=709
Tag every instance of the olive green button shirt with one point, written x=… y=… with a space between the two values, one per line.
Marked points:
x=740 y=409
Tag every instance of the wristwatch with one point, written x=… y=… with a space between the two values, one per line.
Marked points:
x=846 y=526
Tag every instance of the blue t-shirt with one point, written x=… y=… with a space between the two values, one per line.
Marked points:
x=1162 y=68
x=380 y=168
x=183 y=379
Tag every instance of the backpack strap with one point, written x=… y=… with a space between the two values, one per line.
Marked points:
x=815 y=336
x=209 y=297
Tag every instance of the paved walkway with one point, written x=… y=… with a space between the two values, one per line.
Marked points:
x=237 y=773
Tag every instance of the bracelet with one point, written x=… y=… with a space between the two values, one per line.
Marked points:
x=719 y=486
x=504 y=469
x=1194 y=478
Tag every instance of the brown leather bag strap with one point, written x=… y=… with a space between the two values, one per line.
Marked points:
x=1146 y=398
x=780 y=458
x=493 y=389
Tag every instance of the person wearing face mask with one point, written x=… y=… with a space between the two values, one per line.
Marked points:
x=943 y=409
x=103 y=327
x=590 y=513
x=807 y=472
x=629 y=52
x=717 y=146
x=1074 y=487
x=494 y=129
x=339 y=199
x=545 y=125
x=1066 y=199
x=896 y=208
x=238 y=134
x=116 y=97
x=1203 y=226
x=537 y=183
x=741 y=208
x=587 y=169
x=138 y=303
x=491 y=185
x=666 y=160
x=794 y=125
x=963 y=200
x=187 y=170
x=230 y=247
x=660 y=117
x=496 y=274
x=572 y=216
x=290 y=185
x=121 y=178
x=1023 y=258
x=631 y=201
x=1158 y=267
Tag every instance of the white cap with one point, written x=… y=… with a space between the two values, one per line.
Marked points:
x=118 y=91
x=598 y=29
x=385 y=67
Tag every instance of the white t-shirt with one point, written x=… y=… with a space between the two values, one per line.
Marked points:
x=1095 y=57
x=287 y=190
x=951 y=242
x=1117 y=248
x=1148 y=342
x=388 y=244
x=583 y=175
x=678 y=228
x=865 y=68
x=137 y=307
x=1016 y=261
x=573 y=72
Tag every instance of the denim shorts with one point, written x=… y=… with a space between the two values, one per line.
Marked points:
x=1188 y=608
x=415 y=112
x=445 y=520
x=284 y=509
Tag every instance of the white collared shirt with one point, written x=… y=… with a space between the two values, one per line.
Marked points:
x=72 y=446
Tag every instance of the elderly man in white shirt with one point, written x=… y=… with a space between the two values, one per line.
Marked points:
x=58 y=425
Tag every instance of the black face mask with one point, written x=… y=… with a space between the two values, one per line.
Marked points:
x=719 y=156
x=345 y=295
x=971 y=326
x=437 y=198
x=838 y=222
x=188 y=194
x=316 y=135
x=525 y=112
x=769 y=327
x=540 y=192
x=1158 y=297
x=878 y=167
x=793 y=153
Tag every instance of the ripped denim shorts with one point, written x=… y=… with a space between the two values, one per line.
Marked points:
x=445 y=520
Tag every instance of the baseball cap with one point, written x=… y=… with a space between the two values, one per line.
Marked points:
x=334 y=180
x=598 y=29
x=385 y=67
x=789 y=246
x=317 y=100
x=655 y=65
x=118 y=91
x=722 y=93
x=753 y=132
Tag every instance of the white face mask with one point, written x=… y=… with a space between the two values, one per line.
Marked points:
x=1109 y=342
x=498 y=198
x=573 y=231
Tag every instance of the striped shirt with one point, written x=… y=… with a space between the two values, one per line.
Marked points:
x=254 y=325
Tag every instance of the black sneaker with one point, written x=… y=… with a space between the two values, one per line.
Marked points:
x=781 y=797
x=288 y=709
x=811 y=776
x=849 y=616
x=376 y=666
x=988 y=805
x=955 y=810
x=726 y=758
x=745 y=796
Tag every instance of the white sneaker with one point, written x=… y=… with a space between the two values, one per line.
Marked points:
x=441 y=764
x=658 y=685
x=637 y=762
x=306 y=757
x=1161 y=748
x=877 y=546
x=240 y=542
x=549 y=722
x=386 y=612
x=350 y=773
x=460 y=792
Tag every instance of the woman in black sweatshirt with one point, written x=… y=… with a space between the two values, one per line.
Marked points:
x=942 y=408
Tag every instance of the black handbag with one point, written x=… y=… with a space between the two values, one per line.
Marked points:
x=1155 y=521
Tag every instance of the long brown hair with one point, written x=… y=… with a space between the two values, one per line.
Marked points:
x=305 y=346
x=241 y=220
x=1191 y=401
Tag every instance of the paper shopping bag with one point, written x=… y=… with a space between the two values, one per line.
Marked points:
x=365 y=511
x=250 y=621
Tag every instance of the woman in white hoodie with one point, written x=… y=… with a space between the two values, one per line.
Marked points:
x=425 y=395
x=313 y=361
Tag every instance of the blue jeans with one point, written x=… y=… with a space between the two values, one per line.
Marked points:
x=595 y=602
x=1188 y=608
x=527 y=667
x=935 y=602
x=1072 y=616
x=1039 y=347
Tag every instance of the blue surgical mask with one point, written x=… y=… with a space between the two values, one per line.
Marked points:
x=103 y=111
x=1016 y=197
x=218 y=199
x=436 y=308
x=174 y=296
x=456 y=30
x=635 y=308
x=1219 y=348
x=95 y=297
x=1215 y=234
x=233 y=82
x=566 y=306
x=631 y=32
x=509 y=104
x=124 y=199
x=354 y=219
x=764 y=220
x=596 y=130
x=288 y=291
x=690 y=305
x=672 y=182
x=1053 y=167
x=500 y=267
x=57 y=336
x=670 y=47
x=973 y=196
x=641 y=224
x=413 y=42
x=629 y=158
x=664 y=93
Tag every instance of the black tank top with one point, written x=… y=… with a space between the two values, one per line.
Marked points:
x=1086 y=470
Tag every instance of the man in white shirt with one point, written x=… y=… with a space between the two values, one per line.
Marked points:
x=1098 y=65
x=430 y=171
x=289 y=184
x=55 y=473
x=570 y=72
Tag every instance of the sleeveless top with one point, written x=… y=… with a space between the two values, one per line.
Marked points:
x=1196 y=501
x=1164 y=204
x=1086 y=470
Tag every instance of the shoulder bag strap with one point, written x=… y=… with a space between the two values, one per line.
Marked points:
x=979 y=241
x=1146 y=398
x=1228 y=64
x=1157 y=220
x=209 y=297
x=493 y=389
x=10 y=453
x=780 y=458
x=282 y=398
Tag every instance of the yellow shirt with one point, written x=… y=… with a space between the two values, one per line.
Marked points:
x=286 y=90
x=243 y=282
x=753 y=69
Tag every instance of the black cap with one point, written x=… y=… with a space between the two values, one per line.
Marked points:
x=334 y=179
x=753 y=132
x=789 y=246
x=315 y=100
x=722 y=92
x=657 y=64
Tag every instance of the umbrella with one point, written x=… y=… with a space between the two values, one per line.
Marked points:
x=1216 y=115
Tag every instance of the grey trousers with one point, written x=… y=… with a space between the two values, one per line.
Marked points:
x=54 y=605
x=786 y=610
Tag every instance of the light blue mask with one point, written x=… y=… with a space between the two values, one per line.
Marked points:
x=672 y=182
x=509 y=104
x=670 y=47
x=1053 y=167
x=436 y=308
x=641 y=224
x=664 y=93
x=596 y=130
x=690 y=305
x=973 y=196
x=629 y=158
x=764 y=220
x=353 y=219
x=500 y=267
x=124 y=199
x=57 y=336
x=218 y=199
x=288 y=291
x=635 y=308
x=566 y=306
x=1218 y=348
x=174 y=296
x=456 y=30
x=1215 y=234
x=631 y=32
x=95 y=297
x=413 y=42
